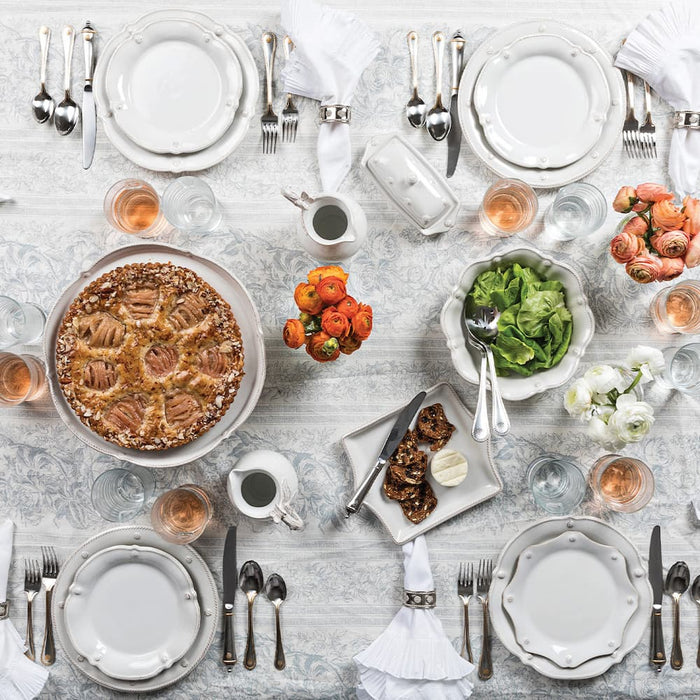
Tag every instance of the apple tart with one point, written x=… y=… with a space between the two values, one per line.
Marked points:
x=149 y=356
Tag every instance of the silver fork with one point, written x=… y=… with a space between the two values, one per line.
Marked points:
x=270 y=124
x=465 y=590
x=290 y=114
x=648 y=130
x=32 y=586
x=50 y=573
x=630 y=129
x=483 y=582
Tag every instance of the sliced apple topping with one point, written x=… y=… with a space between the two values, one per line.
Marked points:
x=100 y=375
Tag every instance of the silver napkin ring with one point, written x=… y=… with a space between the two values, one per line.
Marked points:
x=335 y=114
x=4 y=610
x=419 y=599
x=686 y=120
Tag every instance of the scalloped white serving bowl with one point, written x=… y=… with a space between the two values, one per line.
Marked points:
x=516 y=388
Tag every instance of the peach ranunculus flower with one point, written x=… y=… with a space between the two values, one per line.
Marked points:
x=318 y=273
x=692 y=255
x=667 y=216
x=294 y=335
x=307 y=298
x=691 y=208
x=626 y=246
x=670 y=268
x=670 y=244
x=637 y=226
x=625 y=199
x=652 y=192
x=644 y=268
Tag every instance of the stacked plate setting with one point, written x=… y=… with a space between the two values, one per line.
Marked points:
x=541 y=102
x=176 y=91
x=570 y=597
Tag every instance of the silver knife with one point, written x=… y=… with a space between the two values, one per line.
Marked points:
x=392 y=442
x=454 y=138
x=89 y=117
x=657 y=655
x=230 y=577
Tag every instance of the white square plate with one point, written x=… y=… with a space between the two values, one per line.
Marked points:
x=363 y=446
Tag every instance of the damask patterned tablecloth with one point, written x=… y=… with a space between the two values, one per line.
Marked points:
x=344 y=577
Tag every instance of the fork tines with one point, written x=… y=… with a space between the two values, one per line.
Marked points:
x=290 y=121
x=50 y=562
x=484 y=575
x=269 y=131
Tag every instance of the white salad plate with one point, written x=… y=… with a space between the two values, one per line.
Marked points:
x=183 y=162
x=247 y=317
x=542 y=101
x=132 y=611
x=570 y=599
x=173 y=87
x=542 y=532
x=482 y=482
x=204 y=586
x=540 y=177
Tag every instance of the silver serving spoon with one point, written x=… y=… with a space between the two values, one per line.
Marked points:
x=251 y=582
x=482 y=328
x=415 y=109
x=677 y=582
x=67 y=112
x=276 y=592
x=43 y=104
x=438 y=120
x=695 y=594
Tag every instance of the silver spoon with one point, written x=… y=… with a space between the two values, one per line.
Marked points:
x=276 y=592
x=43 y=104
x=695 y=594
x=251 y=582
x=438 y=120
x=415 y=109
x=67 y=112
x=677 y=582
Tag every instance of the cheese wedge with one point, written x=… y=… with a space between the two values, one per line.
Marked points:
x=449 y=467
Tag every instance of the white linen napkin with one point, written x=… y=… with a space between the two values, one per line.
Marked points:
x=331 y=50
x=20 y=678
x=664 y=50
x=413 y=659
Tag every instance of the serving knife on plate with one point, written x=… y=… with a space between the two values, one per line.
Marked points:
x=89 y=113
x=230 y=576
x=454 y=138
x=392 y=442
x=657 y=655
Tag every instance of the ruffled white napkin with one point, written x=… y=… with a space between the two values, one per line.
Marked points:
x=20 y=678
x=664 y=50
x=413 y=658
x=331 y=50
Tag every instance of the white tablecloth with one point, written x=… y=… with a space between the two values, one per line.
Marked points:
x=344 y=577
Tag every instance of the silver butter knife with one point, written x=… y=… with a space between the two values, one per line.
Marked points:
x=657 y=655
x=454 y=138
x=89 y=114
x=392 y=442
x=230 y=578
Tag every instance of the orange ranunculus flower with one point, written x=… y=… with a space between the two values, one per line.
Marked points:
x=637 y=226
x=652 y=192
x=308 y=299
x=670 y=269
x=692 y=255
x=335 y=323
x=644 y=268
x=348 y=306
x=316 y=275
x=362 y=324
x=670 y=244
x=691 y=208
x=331 y=290
x=293 y=334
x=626 y=246
x=323 y=348
x=366 y=308
x=625 y=199
x=349 y=344
x=667 y=216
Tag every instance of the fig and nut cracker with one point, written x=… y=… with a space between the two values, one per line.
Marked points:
x=418 y=508
x=433 y=427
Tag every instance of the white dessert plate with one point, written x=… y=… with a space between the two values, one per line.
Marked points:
x=539 y=177
x=132 y=611
x=547 y=530
x=570 y=599
x=542 y=101
x=173 y=87
x=363 y=446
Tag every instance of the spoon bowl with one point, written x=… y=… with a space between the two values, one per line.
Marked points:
x=276 y=592
x=416 y=110
x=677 y=582
x=66 y=116
x=43 y=106
x=251 y=582
x=438 y=120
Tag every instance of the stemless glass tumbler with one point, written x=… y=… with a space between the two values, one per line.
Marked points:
x=22 y=378
x=578 y=210
x=508 y=207
x=121 y=494
x=20 y=324
x=133 y=206
x=181 y=515
x=190 y=205
x=622 y=484
x=556 y=482
x=676 y=309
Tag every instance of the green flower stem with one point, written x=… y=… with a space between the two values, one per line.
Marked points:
x=634 y=383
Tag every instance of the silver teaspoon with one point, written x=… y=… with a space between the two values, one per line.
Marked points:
x=276 y=592
x=251 y=583
x=67 y=112
x=677 y=582
x=438 y=120
x=43 y=104
x=695 y=594
x=415 y=109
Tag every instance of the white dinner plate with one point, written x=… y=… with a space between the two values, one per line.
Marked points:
x=542 y=101
x=538 y=177
x=173 y=87
x=132 y=611
x=546 y=530
x=482 y=482
x=570 y=599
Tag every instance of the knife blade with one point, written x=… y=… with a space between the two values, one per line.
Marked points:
x=454 y=138
x=89 y=120
x=396 y=434
x=657 y=655
x=230 y=578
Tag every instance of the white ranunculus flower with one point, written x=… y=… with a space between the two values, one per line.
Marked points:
x=602 y=378
x=632 y=420
x=601 y=434
x=577 y=399
x=649 y=360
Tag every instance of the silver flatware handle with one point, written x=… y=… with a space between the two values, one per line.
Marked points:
x=361 y=493
x=438 y=55
x=466 y=643
x=250 y=659
x=269 y=44
x=658 y=655
x=412 y=41
x=485 y=665
x=480 y=429
x=676 y=651
x=48 y=649
x=499 y=415
x=280 y=662
x=457 y=62
x=647 y=100
x=44 y=40
x=229 y=657
x=630 y=93
x=29 y=639
x=88 y=52
x=68 y=35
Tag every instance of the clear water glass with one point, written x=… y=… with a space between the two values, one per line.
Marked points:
x=578 y=210
x=121 y=494
x=22 y=378
x=509 y=206
x=676 y=309
x=682 y=370
x=557 y=483
x=20 y=324
x=622 y=484
x=189 y=204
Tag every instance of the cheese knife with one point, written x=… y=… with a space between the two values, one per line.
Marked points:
x=89 y=114
x=657 y=655
x=454 y=138
x=230 y=578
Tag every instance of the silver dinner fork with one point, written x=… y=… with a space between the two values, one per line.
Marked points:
x=32 y=586
x=290 y=114
x=630 y=129
x=465 y=590
x=647 y=130
x=50 y=573
x=269 y=121
x=483 y=582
